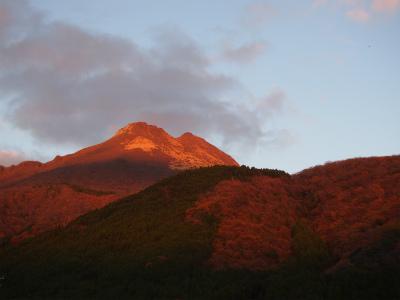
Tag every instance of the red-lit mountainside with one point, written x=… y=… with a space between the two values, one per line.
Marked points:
x=346 y=204
x=329 y=232
x=35 y=197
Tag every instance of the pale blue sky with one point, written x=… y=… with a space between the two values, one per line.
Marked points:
x=336 y=63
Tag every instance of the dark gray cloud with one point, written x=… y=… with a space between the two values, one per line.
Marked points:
x=67 y=85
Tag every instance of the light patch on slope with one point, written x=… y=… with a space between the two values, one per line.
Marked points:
x=186 y=160
x=140 y=143
x=180 y=158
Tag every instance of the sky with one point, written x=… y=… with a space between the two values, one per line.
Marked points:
x=276 y=84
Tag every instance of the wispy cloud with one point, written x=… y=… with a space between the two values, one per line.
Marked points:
x=318 y=3
x=245 y=53
x=257 y=14
x=273 y=102
x=10 y=157
x=389 y=6
x=358 y=15
x=279 y=139
x=361 y=11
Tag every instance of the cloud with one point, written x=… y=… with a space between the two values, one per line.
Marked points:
x=318 y=3
x=362 y=11
x=273 y=102
x=246 y=53
x=388 y=6
x=279 y=139
x=67 y=85
x=258 y=14
x=355 y=3
x=358 y=15
x=8 y=158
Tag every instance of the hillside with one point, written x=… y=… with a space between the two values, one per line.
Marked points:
x=35 y=197
x=329 y=232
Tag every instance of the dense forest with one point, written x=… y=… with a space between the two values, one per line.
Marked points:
x=330 y=232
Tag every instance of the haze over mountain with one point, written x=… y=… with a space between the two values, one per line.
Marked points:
x=35 y=197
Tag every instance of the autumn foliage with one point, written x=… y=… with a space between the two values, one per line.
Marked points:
x=350 y=202
x=346 y=204
x=255 y=218
x=329 y=232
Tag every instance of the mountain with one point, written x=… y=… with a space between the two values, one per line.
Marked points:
x=36 y=197
x=329 y=232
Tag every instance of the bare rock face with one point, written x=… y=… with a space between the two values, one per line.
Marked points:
x=36 y=197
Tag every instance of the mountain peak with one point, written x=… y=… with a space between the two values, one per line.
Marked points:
x=139 y=128
x=188 y=135
x=60 y=190
x=185 y=151
x=136 y=142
